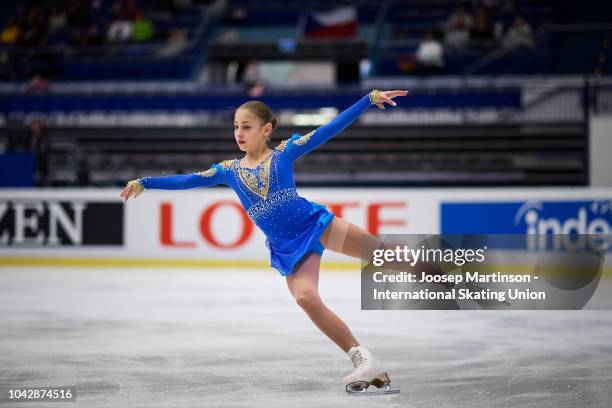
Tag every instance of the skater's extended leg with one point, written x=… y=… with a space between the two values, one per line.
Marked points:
x=346 y=238
x=304 y=286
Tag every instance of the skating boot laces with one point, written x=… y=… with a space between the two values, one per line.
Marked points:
x=358 y=359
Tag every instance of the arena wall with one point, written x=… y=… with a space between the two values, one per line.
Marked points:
x=208 y=228
x=600 y=148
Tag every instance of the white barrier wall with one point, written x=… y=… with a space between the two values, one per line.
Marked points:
x=600 y=149
x=209 y=224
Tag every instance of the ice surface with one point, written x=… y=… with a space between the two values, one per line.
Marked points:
x=228 y=338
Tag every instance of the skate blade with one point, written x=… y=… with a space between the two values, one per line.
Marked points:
x=382 y=384
x=379 y=391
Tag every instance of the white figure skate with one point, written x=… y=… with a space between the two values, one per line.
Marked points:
x=368 y=371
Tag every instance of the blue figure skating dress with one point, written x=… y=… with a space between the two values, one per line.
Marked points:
x=292 y=224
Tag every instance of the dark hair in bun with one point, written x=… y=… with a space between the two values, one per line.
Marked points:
x=263 y=113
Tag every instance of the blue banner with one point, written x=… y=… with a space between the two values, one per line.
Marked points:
x=17 y=169
x=527 y=217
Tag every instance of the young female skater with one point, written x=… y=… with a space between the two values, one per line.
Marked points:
x=297 y=230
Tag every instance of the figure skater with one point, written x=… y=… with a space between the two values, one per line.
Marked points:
x=297 y=230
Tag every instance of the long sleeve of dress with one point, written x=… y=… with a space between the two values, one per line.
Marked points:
x=211 y=177
x=298 y=146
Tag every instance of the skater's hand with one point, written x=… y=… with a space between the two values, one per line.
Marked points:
x=133 y=188
x=379 y=98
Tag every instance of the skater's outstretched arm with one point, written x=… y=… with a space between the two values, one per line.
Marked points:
x=300 y=145
x=211 y=177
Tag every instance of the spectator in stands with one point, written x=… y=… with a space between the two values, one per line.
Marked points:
x=458 y=28
x=120 y=29
x=33 y=29
x=483 y=28
x=236 y=15
x=38 y=84
x=57 y=20
x=257 y=90
x=177 y=42
x=430 y=55
x=519 y=35
x=251 y=79
x=143 y=30
x=38 y=144
x=497 y=12
x=35 y=141
x=10 y=33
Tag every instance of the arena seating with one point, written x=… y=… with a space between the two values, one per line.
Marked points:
x=392 y=30
x=459 y=134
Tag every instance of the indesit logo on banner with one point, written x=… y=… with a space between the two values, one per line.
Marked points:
x=29 y=223
x=530 y=217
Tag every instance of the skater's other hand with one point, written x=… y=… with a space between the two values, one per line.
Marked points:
x=133 y=188
x=381 y=97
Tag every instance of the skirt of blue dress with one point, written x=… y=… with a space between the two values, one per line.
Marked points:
x=286 y=255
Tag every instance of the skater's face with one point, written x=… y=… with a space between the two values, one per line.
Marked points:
x=249 y=131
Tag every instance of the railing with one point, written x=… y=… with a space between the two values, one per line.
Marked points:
x=433 y=101
x=377 y=33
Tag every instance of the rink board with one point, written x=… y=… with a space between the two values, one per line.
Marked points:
x=207 y=228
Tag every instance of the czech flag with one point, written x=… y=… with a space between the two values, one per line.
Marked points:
x=340 y=22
